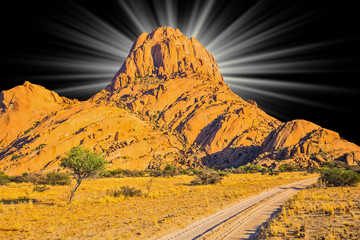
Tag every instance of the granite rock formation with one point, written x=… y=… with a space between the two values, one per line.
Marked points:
x=167 y=103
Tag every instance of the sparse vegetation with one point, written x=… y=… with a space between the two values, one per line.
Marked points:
x=40 y=146
x=170 y=171
x=38 y=188
x=318 y=213
x=34 y=126
x=165 y=204
x=125 y=191
x=205 y=178
x=15 y=156
x=4 y=179
x=251 y=168
x=339 y=177
x=287 y=167
x=56 y=178
x=118 y=173
x=34 y=178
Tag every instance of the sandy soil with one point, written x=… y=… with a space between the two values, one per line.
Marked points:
x=243 y=219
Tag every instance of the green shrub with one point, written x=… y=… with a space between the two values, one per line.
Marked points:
x=196 y=171
x=185 y=172
x=287 y=167
x=274 y=173
x=39 y=188
x=56 y=178
x=265 y=170
x=34 y=126
x=40 y=146
x=156 y=173
x=334 y=164
x=121 y=173
x=312 y=170
x=34 y=178
x=52 y=178
x=222 y=174
x=339 y=177
x=205 y=178
x=15 y=156
x=239 y=170
x=250 y=169
x=4 y=179
x=125 y=191
x=169 y=171
x=106 y=174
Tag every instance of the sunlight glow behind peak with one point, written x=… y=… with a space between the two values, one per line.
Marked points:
x=248 y=46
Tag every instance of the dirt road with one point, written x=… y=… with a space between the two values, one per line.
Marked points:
x=242 y=220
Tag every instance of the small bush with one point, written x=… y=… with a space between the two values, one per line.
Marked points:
x=156 y=173
x=250 y=168
x=25 y=174
x=39 y=188
x=312 y=170
x=222 y=174
x=239 y=170
x=185 y=172
x=274 y=173
x=56 y=178
x=339 y=177
x=169 y=171
x=141 y=174
x=287 y=167
x=265 y=170
x=334 y=164
x=106 y=174
x=4 y=179
x=205 y=178
x=34 y=178
x=40 y=146
x=125 y=191
x=118 y=173
x=15 y=156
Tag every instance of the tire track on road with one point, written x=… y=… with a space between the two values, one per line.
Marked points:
x=241 y=220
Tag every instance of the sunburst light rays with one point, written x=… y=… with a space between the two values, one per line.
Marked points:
x=246 y=40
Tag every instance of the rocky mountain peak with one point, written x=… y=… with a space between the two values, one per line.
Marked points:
x=165 y=53
x=167 y=104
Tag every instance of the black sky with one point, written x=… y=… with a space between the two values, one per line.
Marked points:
x=22 y=38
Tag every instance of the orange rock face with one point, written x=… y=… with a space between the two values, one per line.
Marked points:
x=162 y=53
x=308 y=144
x=124 y=139
x=23 y=106
x=167 y=103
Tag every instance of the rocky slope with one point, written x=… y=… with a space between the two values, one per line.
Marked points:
x=24 y=106
x=124 y=138
x=167 y=103
x=304 y=143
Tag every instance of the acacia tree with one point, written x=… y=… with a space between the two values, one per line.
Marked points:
x=83 y=164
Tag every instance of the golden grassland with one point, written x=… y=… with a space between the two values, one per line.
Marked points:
x=167 y=204
x=318 y=213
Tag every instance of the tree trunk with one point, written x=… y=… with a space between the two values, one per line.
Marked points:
x=78 y=182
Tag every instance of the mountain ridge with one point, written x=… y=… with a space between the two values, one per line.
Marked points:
x=168 y=103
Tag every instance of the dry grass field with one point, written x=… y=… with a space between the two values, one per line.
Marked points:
x=166 y=204
x=318 y=213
